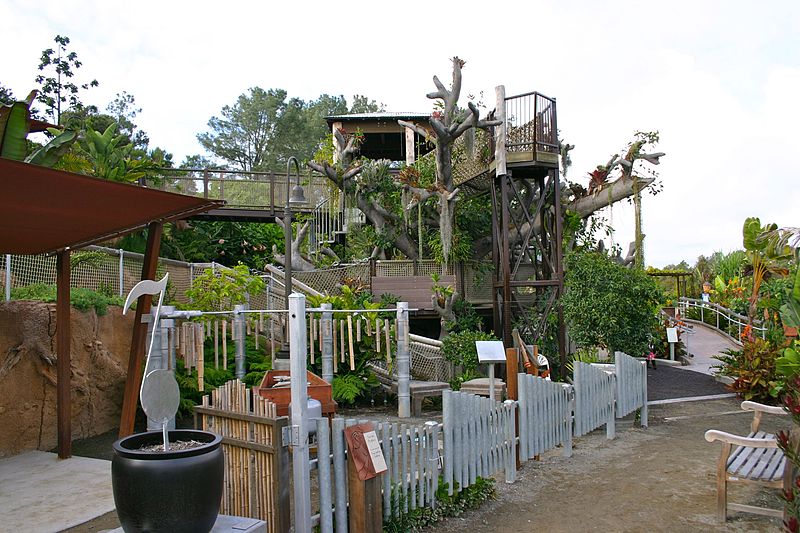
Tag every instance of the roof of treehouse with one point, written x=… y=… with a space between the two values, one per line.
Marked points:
x=378 y=116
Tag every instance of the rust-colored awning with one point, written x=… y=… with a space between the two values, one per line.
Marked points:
x=44 y=210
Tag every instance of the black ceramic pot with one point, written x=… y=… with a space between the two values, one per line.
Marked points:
x=175 y=492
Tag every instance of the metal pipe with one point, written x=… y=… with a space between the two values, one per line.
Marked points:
x=324 y=467
x=121 y=272
x=403 y=362
x=240 y=340
x=8 y=277
x=299 y=407
x=339 y=475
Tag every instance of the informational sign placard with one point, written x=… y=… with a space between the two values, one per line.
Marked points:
x=672 y=334
x=365 y=449
x=491 y=351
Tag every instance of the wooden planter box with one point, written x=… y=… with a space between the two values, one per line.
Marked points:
x=318 y=389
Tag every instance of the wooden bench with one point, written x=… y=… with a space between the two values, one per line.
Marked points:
x=419 y=390
x=755 y=458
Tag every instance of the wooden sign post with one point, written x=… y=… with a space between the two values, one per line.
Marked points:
x=364 y=462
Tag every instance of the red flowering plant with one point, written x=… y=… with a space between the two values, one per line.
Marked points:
x=789 y=446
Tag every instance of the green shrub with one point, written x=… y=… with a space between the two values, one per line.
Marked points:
x=459 y=348
x=446 y=506
x=81 y=299
x=609 y=305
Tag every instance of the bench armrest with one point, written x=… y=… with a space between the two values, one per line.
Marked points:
x=713 y=435
x=769 y=409
x=758 y=410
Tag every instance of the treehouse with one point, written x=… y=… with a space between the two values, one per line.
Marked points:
x=384 y=138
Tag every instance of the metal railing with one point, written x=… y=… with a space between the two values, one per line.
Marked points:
x=723 y=319
x=531 y=122
x=240 y=189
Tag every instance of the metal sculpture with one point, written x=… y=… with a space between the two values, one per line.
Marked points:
x=159 y=393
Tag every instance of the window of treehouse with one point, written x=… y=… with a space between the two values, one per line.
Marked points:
x=391 y=146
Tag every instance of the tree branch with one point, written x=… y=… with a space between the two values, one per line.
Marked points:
x=416 y=127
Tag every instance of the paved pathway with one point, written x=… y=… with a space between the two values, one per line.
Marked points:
x=705 y=343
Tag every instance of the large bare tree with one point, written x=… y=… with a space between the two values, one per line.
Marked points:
x=444 y=129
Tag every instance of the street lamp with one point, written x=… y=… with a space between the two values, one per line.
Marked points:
x=295 y=198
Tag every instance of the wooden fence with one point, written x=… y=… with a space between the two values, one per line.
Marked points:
x=256 y=462
x=631 y=378
x=594 y=399
x=479 y=438
x=545 y=416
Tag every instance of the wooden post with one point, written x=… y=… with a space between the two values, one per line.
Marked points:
x=134 y=376
x=366 y=507
x=63 y=340
x=280 y=473
x=512 y=390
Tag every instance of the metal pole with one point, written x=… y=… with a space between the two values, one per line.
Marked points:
x=240 y=340
x=121 y=271
x=327 y=343
x=324 y=468
x=403 y=362
x=491 y=381
x=299 y=407
x=8 y=277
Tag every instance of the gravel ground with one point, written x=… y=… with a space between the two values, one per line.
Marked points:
x=657 y=479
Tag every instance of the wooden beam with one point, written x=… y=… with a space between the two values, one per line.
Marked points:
x=134 y=376
x=63 y=340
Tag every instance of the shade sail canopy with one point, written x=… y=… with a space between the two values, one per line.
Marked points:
x=44 y=210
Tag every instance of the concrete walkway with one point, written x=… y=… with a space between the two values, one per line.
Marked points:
x=40 y=493
x=705 y=343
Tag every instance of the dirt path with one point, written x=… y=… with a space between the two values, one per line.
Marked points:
x=656 y=479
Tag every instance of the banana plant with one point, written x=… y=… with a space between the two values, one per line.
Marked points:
x=15 y=125
x=763 y=257
x=111 y=159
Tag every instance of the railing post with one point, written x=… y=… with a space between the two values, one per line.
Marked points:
x=299 y=407
x=327 y=343
x=205 y=183
x=240 y=340
x=8 y=277
x=403 y=362
x=121 y=272
x=272 y=191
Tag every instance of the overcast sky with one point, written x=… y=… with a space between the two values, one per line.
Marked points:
x=719 y=80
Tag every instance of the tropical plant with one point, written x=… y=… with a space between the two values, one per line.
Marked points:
x=110 y=158
x=763 y=257
x=15 y=125
x=753 y=368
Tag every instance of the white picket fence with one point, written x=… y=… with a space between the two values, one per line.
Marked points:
x=631 y=378
x=479 y=438
x=545 y=416
x=410 y=482
x=594 y=399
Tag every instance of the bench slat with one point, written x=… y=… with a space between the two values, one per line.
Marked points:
x=764 y=464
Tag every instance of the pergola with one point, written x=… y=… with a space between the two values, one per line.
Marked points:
x=46 y=211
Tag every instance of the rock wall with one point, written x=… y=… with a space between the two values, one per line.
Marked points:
x=100 y=349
